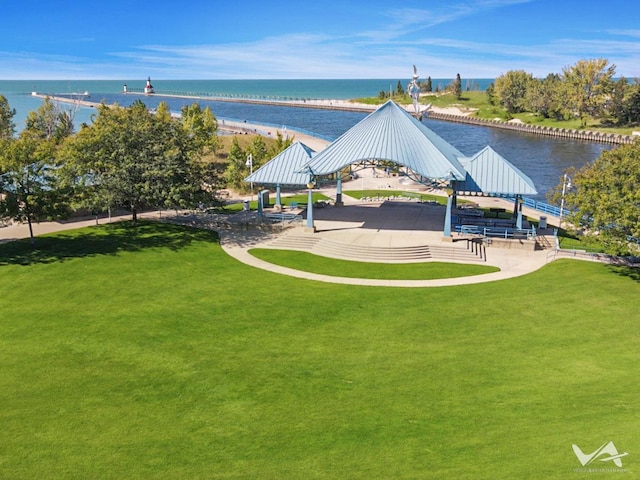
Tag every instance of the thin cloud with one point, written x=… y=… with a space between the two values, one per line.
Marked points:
x=625 y=33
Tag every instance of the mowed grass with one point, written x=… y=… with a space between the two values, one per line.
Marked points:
x=150 y=353
x=309 y=262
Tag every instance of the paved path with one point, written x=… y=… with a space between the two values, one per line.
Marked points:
x=511 y=264
x=367 y=228
x=237 y=242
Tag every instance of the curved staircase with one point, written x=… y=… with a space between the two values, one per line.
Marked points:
x=366 y=253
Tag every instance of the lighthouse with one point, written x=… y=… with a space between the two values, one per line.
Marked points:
x=148 y=88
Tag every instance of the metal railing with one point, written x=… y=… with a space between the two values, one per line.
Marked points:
x=540 y=206
x=497 y=232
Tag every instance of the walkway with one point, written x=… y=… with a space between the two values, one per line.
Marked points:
x=351 y=231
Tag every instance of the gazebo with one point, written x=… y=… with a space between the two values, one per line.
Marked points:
x=391 y=134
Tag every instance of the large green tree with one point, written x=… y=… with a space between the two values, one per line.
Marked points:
x=50 y=122
x=30 y=185
x=201 y=126
x=604 y=199
x=624 y=107
x=237 y=166
x=29 y=167
x=511 y=90
x=589 y=84
x=544 y=97
x=131 y=158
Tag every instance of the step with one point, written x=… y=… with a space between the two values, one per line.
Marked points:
x=331 y=248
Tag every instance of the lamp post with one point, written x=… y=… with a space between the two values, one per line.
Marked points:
x=310 y=185
x=249 y=164
x=566 y=184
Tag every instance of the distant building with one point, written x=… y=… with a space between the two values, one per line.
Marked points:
x=148 y=88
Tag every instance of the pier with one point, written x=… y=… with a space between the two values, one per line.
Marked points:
x=348 y=105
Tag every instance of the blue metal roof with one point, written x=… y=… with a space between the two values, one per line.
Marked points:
x=286 y=168
x=390 y=133
x=491 y=173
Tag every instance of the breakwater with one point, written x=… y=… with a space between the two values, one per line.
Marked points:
x=350 y=106
x=347 y=105
x=319 y=104
x=572 y=134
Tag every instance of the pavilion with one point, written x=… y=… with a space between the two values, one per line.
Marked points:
x=392 y=135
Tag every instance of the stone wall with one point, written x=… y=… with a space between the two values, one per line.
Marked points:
x=586 y=135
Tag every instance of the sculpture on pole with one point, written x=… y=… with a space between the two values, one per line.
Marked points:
x=413 y=90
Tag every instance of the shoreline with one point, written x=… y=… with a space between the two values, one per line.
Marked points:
x=449 y=114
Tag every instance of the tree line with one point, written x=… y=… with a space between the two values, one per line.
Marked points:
x=455 y=87
x=128 y=158
x=587 y=90
x=132 y=158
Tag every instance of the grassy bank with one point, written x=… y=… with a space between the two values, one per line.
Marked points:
x=150 y=353
x=477 y=104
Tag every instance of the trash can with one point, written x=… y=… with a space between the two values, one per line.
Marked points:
x=245 y=205
x=543 y=222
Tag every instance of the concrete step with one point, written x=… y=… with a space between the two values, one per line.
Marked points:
x=333 y=249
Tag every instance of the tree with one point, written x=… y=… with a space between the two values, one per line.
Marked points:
x=280 y=144
x=237 y=169
x=399 y=88
x=491 y=94
x=163 y=112
x=50 y=122
x=615 y=109
x=30 y=186
x=133 y=159
x=456 y=87
x=7 y=127
x=428 y=87
x=201 y=125
x=259 y=152
x=604 y=199
x=511 y=90
x=589 y=84
x=544 y=97
x=632 y=105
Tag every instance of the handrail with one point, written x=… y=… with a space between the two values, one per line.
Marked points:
x=497 y=232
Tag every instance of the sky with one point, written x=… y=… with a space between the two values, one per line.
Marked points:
x=326 y=39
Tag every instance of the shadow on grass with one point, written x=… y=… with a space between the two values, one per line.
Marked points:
x=632 y=272
x=107 y=239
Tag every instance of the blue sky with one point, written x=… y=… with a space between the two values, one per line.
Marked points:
x=226 y=39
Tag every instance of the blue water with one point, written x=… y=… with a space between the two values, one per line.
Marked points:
x=18 y=91
x=543 y=159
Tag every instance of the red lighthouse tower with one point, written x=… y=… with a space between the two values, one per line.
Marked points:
x=148 y=88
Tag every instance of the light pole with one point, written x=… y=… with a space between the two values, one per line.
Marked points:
x=566 y=184
x=249 y=164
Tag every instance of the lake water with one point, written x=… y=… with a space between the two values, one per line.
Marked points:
x=543 y=159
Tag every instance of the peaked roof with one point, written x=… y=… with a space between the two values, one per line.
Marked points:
x=491 y=173
x=390 y=133
x=286 y=168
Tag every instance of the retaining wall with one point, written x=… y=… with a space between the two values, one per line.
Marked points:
x=586 y=135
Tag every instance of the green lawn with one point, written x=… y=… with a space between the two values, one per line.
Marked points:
x=424 y=197
x=478 y=102
x=253 y=205
x=308 y=262
x=150 y=353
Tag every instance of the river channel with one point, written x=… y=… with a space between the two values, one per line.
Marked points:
x=543 y=159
